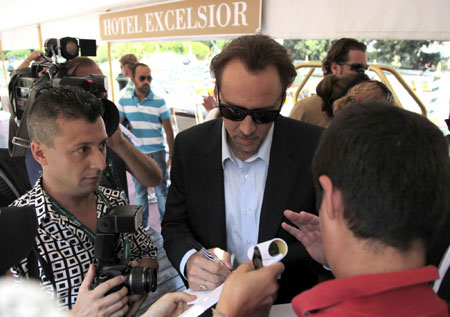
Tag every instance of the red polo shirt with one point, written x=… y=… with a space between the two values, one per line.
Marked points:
x=405 y=293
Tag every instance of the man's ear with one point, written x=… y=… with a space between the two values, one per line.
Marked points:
x=332 y=198
x=216 y=91
x=335 y=68
x=39 y=152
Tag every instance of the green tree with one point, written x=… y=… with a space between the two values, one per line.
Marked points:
x=410 y=52
x=18 y=54
x=313 y=50
x=200 y=50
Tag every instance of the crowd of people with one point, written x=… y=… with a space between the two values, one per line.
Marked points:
x=356 y=186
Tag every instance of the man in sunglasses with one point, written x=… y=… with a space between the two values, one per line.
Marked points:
x=233 y=177
x=345 y=55
x=147 y=115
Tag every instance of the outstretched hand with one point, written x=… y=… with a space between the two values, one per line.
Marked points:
x=209 y=102
x=307 y=232
x=171 y=304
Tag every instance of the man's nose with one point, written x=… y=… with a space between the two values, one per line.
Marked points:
x=98 y=160
x=247 y=125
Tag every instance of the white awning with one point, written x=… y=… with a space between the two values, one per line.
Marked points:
x=289 y=19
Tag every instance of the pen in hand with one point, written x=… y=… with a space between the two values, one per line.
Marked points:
x=208 y=255
x=257 y=258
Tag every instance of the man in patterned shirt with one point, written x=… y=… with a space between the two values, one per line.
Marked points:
x=147 y=114
x=69 y=141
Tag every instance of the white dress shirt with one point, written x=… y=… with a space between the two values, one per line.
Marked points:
x=244 y=183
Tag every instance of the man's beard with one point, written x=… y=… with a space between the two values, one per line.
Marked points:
x=144 y=89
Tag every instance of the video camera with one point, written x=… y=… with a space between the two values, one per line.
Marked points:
x=26 y=83
x=108 y=264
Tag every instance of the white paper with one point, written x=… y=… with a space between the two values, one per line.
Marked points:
x=206 y=299
x=130 y=135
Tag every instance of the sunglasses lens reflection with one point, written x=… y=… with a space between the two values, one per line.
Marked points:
x=258 y=116
x=142 y=78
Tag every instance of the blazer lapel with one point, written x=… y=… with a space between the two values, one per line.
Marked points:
x=212 y=176
x=281 y=177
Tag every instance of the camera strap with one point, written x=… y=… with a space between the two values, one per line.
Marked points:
x=63 y=211
x=109 y=173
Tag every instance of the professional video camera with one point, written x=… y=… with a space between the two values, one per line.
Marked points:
x=26 y=83
x=108 y=264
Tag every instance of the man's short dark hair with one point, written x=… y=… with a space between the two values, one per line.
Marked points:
x=77 y=62
x=393 y=170
x=133 y=69
x=65 y=102
x=256 y=52
x=338 y=53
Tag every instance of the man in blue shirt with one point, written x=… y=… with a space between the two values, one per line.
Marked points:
x=148 y=114
x=232 y=178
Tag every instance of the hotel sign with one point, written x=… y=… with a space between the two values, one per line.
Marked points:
x=183 y=18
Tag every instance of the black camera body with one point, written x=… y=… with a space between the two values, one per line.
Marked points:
x=26 y=83
x=108 y=264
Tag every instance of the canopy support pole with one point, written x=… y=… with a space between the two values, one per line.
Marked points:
x=41 y=47
x=111 y=78
x=3 y=63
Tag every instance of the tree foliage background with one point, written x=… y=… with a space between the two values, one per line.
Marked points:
x=397 y=53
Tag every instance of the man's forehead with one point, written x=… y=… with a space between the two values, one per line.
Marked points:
x=250 y=89
x=357 y=57
x=142 y=69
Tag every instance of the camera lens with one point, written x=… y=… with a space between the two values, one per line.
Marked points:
x=141 y=280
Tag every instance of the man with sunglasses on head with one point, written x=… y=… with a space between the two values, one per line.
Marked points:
x=233 y=177
x=345 y=55
x=147 y=115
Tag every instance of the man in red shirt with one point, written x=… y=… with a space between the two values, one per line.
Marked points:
x=382 y=175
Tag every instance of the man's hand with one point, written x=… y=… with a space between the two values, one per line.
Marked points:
x=171 y=304
x=209 y=102
x=248 y=291
x=95 y=303
x=308 y=233
x=204 y=274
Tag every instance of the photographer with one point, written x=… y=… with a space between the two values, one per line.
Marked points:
x=122 y=156
x=68 y=139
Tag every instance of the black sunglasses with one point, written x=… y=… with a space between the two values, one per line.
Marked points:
x=236 y=113
x=142 y=78
x=356 y=66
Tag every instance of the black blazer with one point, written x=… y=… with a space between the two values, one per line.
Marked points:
x=196 y=204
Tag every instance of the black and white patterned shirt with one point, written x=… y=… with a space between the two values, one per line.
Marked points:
x=66 y=248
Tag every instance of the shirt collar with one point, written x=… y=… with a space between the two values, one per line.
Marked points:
x=263 y=152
